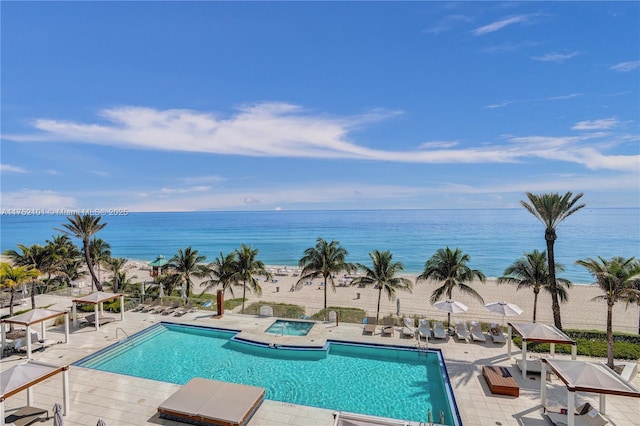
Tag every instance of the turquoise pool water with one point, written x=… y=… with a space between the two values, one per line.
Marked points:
x=290 y=328
x=379 y=381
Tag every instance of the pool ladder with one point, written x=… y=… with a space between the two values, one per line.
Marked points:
x=430 y=419
x=125 y=333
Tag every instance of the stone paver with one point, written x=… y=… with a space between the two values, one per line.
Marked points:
x=124 y=400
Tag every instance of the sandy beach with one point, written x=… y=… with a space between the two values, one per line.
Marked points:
x=579 y=312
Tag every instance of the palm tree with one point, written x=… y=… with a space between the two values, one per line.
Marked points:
x=531 y=271
x=189 y=264
x=450 y=267
x=325 y=261
x=222 y=270
x=616 y=277
x=35 y=256
x=100 y=252
x=246 y=266
x=67 y=259
x=84 y=227
x=12 y=277
x=116 y=266
x=383 y=276
x=551 y=210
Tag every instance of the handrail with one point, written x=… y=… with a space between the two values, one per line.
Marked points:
x=125 y=333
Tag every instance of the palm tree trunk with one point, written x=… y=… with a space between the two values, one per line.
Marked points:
x=244 y=292
x=610 y=334
x=325 y=298
x=550 y=237
x=535 y=302
x=378 y=311
x=87 y=258
x=33 y=294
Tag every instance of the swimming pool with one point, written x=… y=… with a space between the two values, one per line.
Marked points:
x=290 y=328
x=374 y=380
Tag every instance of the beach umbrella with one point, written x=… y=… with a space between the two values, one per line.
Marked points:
x=503 y=308
x=450 y=307
x=142 y=290
x=101 y=423
x=184 y=291
x=161 y=290
x=398 y=307
x=58 y=420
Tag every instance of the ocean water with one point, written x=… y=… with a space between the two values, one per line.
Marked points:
x=493 y=238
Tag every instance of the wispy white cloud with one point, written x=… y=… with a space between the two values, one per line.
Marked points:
x=101 y=173
x=8 y=168
x=200 y=188
x=287 y=131
x=37 y=199
x=438 y=144
x=602 y=124
x=203 y=179
x=625 y=66
x=448 y=23
x=555 y=56
x=523 y=101
x=498 y=25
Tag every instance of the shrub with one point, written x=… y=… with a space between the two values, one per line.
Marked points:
x=282 y=310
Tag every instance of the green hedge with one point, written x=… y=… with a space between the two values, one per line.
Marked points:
x=592 y=347
x=351 y=315
x=282 y=310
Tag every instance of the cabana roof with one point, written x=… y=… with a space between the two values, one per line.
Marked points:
x=581 y=376
x=34 y=316
x=159 y=262
x=97 y=297
x=25 y=375
x=536 y=332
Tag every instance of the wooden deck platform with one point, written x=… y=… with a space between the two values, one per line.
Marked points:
x=500 y=381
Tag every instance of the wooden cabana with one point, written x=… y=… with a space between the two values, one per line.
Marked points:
x=537 y=332
x=582 y=376
x=32 y=317
x=97 y=299
x=158 y=266
x=23 y=376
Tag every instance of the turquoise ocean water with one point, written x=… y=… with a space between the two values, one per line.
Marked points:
x=494 y=238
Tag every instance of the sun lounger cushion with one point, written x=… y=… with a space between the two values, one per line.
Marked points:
x=370 y=325
x=26 y=416
x=500 y=380
x=203 y=401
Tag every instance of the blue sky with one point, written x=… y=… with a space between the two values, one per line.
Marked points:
x=163 y=106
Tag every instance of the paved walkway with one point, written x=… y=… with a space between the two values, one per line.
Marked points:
x=124 y=400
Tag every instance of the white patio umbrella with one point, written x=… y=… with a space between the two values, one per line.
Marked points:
x=161 y=290
x=503 y=308
x=58 y=420
x=450 y=307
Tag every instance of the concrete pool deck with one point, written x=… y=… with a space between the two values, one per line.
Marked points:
x=124 y=400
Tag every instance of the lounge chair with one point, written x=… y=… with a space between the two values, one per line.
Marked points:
x=141 y=306
x=174 y=307
x=462 y=332
x=408 y=330
x=20 y=345
x=439 y=331
x=388 y=327
x=27 y=415
x=423 y=329
x=160 y=308
x=591 y=418
x=151 y=307
x=370 y=325
x=496 y=334
x=90 y=320
x=476 y=332
x=184 y=310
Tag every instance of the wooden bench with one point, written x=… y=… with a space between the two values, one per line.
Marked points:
x=500 y=381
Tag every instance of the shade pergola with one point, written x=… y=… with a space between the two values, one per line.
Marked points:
x=581 y=376
x=537 y=332
x=97 y=299
x=32 y=317
x=23 y=376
